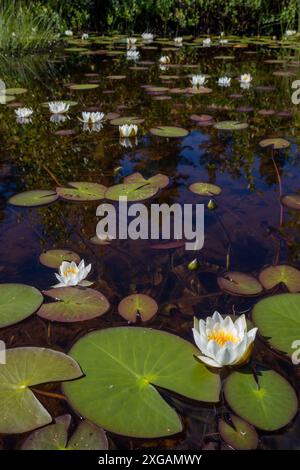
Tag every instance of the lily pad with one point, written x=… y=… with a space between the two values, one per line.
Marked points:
x=133 y=191
x=159 y=180
x=274 y=275
x=26 y=367
x=278 y=320
x=126 y=120
x=269 y=404
x=54 y=258
x=83 y=86
x=205 y=189
x=82 y=191
x=237 y=283
x=231 y=125
x=137 y=305
x=276 y=143
x=123 y=366
x=15 y=91
x=73 y=304
x=87 y=436
x=169 y=131
x=240 y=435
x=33 y=198
x=292 y=201
x=17 y=302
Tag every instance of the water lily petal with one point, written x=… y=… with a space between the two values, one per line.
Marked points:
x=209 y=361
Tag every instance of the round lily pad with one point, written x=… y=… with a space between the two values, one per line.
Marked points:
x=278 y=320
x=137 y=305
x=231 y=125
x=54 y=258
x=33 y=198
x=17 y=302
x=205 y=189
x=274 y=275
x=126 y=120
x=87 y=436
x=25 y=367
x=276 y=143
x=131 y=362
x=269 y=404
x=159 y=180
x=169 y=131
x=240 y=435
x=73 y=304
x=292 y=201
x=133 y=191
x=82 y=191
x=83 y=86
x=15 y=91
x=237 y=283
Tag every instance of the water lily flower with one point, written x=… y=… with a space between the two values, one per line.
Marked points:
x=290 y=32
x=224 y=81
x=131 y=41
x=92 y=127
x=222 y=34
x=58 y=107
x=147 y=37
x=58 y=118
x=223 y=41
x=164 y=59
x=223 y=342
x=132 y=54
x=245 y=80
x=128 y=130
x=72 y=275
x=68 y=32
x=128 y=143
x=206 y=42
x=84 y=37
x=178 y=41
x=198 y=80
x=22 y=113
x=92 y=117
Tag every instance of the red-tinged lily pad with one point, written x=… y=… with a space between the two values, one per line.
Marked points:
x=126 y=120
x=82 y=191
x=39 y=197
x=54 y=258
x=201 y=90
x=274 y=275
x=87 y=436
x=245 y=109
x=292 y=201
x=17 y=302
x=169 y=131
x=137 y=306
x=83 y=86
x=238 y=434
x=205 y=189
x=201 y=117
x=159 y=180
x=266 y=112
x=160 y=89
x=237 y=283
x=65 y=132
x=133 y=191
x=231 y=125
x=275 y=143
x=73 y=304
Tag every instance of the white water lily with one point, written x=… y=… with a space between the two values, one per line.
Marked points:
x=84 y=37
x=206 y=42
x=58 y=118
x=148 y=37
x=245 y=80
x=290 y=32
x=198 y=80
x=131 y=41
x=128 y=130
x=58 y=107
x=132 y=54
x=164 y=59
x=88 y=117
x=68 y=32
x=223 y=41
x=92 y=127
x=223 y=342
x=224 y=81
x=128 y=143
x=72 y=275
x=22 y=113
x=178 y=41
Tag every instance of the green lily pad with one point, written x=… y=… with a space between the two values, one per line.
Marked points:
x=240 y=435
x=17 y=302
x=237 y=283
x=169 y=131
x=159 y=180
x=269 y=404
x=54 y=258
x=292 y=201
x=123 y=366
x=73 y=304
x=6 y=98
x=205 y=189
x=20 y=410
x=15 y=91
x=83 y=86
x=82 y=191
x=126 y=120
x=137 y=305
x=87 y=436
x=231 y=125
x=276 y=143
x=34 y=198
x=274 y=275
x=133 y=191
x=278 y=320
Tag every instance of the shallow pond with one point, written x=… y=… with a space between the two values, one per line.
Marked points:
x=248 y=230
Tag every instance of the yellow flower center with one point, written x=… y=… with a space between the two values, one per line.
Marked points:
x=70 y=271
x=222 y=337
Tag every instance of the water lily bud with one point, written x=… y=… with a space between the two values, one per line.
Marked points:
x=193 y=265
x=211 y=205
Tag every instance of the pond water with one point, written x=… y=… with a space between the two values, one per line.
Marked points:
x=248 y=230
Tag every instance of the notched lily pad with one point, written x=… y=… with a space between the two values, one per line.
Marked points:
x=231 y=125
x=54 y=258
x=169 y=131
x=137 y=306
x=33 y=198
x=237 y=283
x=205 y=189
x=159 y=180
x=276 y=143
x=240 y=435
x=126 y=120
x=274 y=275
x=17 y=302
x=84 y=86
x=133 y=191
x=82 y=191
